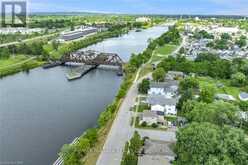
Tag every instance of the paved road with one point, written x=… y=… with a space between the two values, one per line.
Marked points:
x=120 y=132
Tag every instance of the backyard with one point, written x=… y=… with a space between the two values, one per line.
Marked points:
x=221 y=86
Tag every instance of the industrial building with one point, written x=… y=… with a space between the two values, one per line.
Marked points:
x=78 y=33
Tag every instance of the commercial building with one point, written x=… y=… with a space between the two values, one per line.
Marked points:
x=78 y=33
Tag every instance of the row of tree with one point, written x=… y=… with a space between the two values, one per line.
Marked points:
x=132 y=148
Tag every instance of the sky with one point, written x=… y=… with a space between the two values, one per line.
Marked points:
x=218 y=7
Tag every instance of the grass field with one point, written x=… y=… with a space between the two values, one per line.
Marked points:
x=17 y=63
x=12 y=60
x=226 y=89
x=163 y=52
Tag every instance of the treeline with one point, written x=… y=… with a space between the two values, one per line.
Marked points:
x=206 y=64
x=6 y=38
x=108 y=115
x=131 y=150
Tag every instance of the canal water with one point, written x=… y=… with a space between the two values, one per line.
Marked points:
x=40 y=110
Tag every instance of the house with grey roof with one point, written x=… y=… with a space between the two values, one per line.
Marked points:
x=174 y=75
x=155 y=152
x=151 y=117
x=167 y=89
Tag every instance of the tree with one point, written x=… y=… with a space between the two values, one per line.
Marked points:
x=185 y=96
x=219 y=113
x=154 y=125
x=144 y=86
x=187 y=106
x=207 y=94
x=238 y=79
x=135 y=143
x=205 y=143
x=226 y=36
x=188 y=83
x=242 y=41
x=91 y=135
x=4 y=53
x=158 y=75
x=83 y=146
x=55 y=44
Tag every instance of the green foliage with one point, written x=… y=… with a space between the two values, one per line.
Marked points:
x=243 y=105
x=4 y=53
x=242 y=41
x=238 y=79
x=203 y=34
x=188 y=83
x=207 y=94
x=144 y=124
x=214 y=68
x=226 y=36
x=130 y=154
x=154 y=125
x=207 y=143
x=158 y=75
x=144 y=86
x=218 y=113
x=185 y=96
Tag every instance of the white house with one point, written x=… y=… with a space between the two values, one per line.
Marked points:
x=162 y=106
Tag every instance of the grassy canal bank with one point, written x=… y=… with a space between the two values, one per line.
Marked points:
x=18 y=63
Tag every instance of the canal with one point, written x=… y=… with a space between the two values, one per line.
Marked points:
x=40 y=110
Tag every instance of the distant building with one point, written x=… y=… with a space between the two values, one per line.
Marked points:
x=20 y=30
x=243 y=96
x=78 y=33
x=143 y=19
x=225 y=97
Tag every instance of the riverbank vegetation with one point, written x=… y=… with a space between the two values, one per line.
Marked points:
x=74 y=154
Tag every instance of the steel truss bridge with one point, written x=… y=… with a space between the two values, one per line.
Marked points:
x=91 y=57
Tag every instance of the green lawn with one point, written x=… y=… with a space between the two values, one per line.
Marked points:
x=17 y=63
x=227 y=89
x=12 y=60
x=163 y=52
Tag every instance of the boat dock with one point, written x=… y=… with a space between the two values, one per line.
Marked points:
x=52 y=64
x=80 y=72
